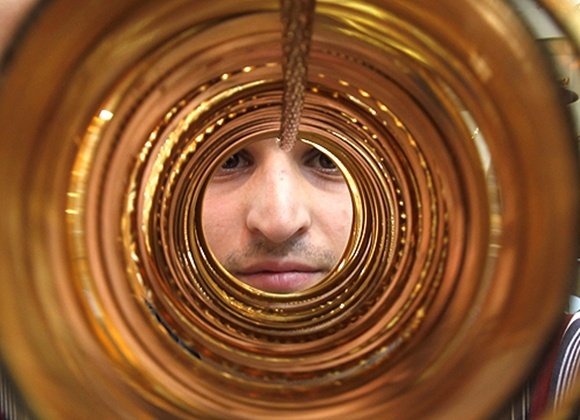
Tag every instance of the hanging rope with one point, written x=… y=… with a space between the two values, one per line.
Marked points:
x=297 y=17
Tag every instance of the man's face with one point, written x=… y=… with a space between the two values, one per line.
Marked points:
x=278 y=221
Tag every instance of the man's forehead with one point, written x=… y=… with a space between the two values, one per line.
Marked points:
x=270 y=145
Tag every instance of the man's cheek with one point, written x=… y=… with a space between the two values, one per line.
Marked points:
x=223 y=234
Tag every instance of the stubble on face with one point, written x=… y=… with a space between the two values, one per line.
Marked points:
x=295 y=249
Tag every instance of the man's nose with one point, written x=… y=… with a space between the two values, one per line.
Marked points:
x=279 y=207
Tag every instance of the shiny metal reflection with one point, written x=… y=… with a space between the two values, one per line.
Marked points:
x=113 y=307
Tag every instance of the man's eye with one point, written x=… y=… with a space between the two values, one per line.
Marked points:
x=234 y=163
x=237 y=161
x=326 y=163
x=321 y=162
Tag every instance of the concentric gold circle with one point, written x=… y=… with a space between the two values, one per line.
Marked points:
x=462 y=175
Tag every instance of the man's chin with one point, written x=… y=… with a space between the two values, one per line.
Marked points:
x=282 y=282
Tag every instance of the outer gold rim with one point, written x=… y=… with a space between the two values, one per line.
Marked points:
x=457 y=245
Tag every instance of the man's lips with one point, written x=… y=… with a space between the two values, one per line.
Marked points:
x=280 y=277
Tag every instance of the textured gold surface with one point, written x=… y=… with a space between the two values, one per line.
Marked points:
x=462 y=240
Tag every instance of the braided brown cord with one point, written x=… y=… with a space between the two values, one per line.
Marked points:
x=297 y=17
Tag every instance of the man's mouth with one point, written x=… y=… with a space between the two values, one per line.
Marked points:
x=280 y=277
